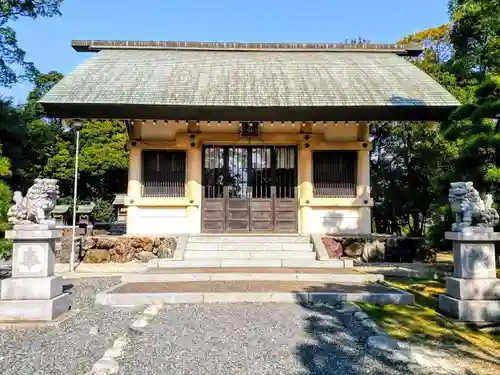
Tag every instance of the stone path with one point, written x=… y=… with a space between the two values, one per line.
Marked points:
x=196 y=339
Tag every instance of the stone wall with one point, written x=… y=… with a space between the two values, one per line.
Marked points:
x=117 y=249
x=379 y=248
x=123 y=249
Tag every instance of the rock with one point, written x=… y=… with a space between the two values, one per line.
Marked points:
x=167 y=248
x=97 y=256
x=384 y=343
x=156 y=242
x=332 y=247
x=145 y=256
x=155 y=250
x=148 y=247
x=354 y=250
x=360 y=315
x=94 y=330
x=104 y=243
x=88 y=242
x=374 y=252
x=140 y=242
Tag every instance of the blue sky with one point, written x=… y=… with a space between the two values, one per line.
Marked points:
x=47 y=41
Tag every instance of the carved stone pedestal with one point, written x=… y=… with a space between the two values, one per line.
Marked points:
x=33 y=292
x=473 y=293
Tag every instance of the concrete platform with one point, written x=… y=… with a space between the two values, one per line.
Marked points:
x=198 y=263
x=470 y=310
x=249 y=291
x=244 y=254
x=341 y=275
x=33 y=310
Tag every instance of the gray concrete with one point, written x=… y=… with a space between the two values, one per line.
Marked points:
x=326 y=277
x=319 y=247
x=32 y=293
x=473 y=289
x=31 y=288
x=108 y=297
x=470 y=310
x=182 y=240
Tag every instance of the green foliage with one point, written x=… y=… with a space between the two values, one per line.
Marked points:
x=407 y=157
x=103 y=160
x=10 y=53
x=5 y=249
x=104 y=210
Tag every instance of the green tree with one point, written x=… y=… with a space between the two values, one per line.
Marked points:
x=11 y=55
x=103 y=160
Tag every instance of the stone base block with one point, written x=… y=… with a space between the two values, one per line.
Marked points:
x=470 y=310
x=31 y=288
x=34 y=310
x=473 y=289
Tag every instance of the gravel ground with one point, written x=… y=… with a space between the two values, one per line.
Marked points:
x=74 y=345
x=219 y=339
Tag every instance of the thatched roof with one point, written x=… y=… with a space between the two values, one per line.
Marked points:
x=222 y=82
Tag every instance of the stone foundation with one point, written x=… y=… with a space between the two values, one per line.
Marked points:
x=123 y=249
x=473 y=293
x=33 y=292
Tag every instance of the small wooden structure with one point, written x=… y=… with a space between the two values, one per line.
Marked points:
x=60 y=214
x=84 y=213
x=121 y=209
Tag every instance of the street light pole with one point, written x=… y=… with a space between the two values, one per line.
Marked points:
x=77 y=124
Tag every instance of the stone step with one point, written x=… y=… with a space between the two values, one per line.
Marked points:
x=143 y=293
x=249 y=239
x=168 y=263
x=248 y=246
x=326 y=275
x=237 y=254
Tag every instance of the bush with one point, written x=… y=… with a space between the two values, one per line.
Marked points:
x=5 y=249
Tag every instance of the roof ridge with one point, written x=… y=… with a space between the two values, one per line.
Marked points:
x=98 y=45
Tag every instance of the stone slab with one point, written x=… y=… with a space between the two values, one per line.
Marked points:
x=257 y=238
x=332 y=263
x=319 y=247
x=251 y=262
x=474 y=260
x=472 y=236
x=33 y=235
x=33 y=258
x=473 y=289
x=182 y=241
x=31 y=288
x=470 y=310
x=241 y=276
x=34 y=310
x=137 y=299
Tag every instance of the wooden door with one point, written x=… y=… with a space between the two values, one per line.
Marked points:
x=249 y=189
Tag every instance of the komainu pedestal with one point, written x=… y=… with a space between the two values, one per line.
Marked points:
x=473 y=293
x=33 y=293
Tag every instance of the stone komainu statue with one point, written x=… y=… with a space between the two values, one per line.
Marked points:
x=469 y=209
x=36 y=206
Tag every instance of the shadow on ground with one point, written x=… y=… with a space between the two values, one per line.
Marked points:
x=336 y=343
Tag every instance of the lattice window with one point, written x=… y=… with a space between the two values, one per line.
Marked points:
x=334 y=174
x=163 y=173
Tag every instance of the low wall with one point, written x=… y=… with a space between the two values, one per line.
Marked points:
x=116 y=249
x=123 y=249
x=379 y=248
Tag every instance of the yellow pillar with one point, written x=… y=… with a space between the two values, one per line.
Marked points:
x=134 y=188
x=193 y=188
x=363 y=190
x=363 y=177
x=305 y=187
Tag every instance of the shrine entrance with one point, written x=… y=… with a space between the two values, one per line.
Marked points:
x=249 y=189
